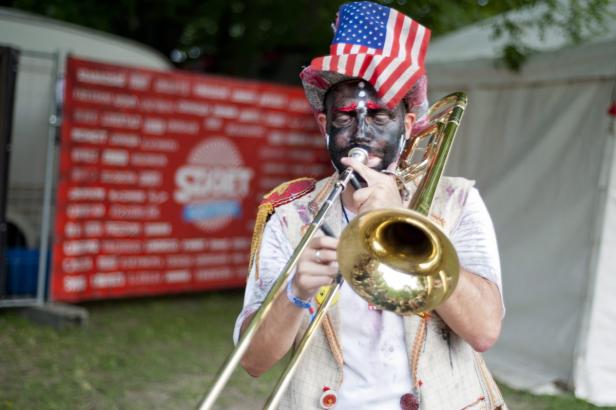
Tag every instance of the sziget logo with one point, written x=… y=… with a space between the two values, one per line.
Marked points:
x=212 y=184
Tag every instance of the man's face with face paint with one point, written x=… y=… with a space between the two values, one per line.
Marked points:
x=356 y=117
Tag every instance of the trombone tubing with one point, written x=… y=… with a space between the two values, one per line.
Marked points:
x=285 y=377
x=421 y=203
x=226 y=370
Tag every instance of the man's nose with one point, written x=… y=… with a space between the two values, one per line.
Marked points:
x=362 y=127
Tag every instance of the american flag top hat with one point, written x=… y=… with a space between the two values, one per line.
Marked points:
x=378 y=44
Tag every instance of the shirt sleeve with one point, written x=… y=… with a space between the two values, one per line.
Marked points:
x=274 y=253
x=475 y=240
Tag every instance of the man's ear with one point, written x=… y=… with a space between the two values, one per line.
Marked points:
x=409 y=121
x=322 y=122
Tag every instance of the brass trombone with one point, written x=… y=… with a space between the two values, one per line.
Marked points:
x=396 y=259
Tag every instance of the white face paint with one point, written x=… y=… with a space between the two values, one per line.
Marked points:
x=401 y=144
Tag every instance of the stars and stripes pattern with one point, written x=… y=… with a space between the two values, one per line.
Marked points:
x=380 y=45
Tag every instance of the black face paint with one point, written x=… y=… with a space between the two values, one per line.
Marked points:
x=357 y=118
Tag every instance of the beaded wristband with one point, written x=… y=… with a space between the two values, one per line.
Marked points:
x=304 y=304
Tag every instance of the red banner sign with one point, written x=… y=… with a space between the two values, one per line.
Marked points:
x=161 y=174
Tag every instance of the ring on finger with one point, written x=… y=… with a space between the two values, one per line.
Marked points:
x=317 y=256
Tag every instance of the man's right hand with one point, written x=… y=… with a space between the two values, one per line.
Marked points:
x=316 y=267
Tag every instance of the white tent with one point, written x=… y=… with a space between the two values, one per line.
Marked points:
x=540 y=145
x=32 y=32
x=38 y=38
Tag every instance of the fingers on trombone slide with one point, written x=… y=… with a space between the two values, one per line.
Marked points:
x=324 y=256
x=319 y=258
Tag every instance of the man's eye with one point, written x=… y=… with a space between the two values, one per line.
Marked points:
x=342 y=120
x=381 y=118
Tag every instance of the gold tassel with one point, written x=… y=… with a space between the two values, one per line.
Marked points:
x=265 y=210
x=282 y=194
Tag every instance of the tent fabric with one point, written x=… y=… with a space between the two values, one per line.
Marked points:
x=539 y=143
x=30 y=32
x=595 y=368
x=477 y=40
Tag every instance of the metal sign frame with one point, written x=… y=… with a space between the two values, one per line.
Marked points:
x=52 y=142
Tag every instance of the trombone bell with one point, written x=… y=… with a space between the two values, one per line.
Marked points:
x=398 y=260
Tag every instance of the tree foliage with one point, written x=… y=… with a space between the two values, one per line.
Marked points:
x=576 y=20
x=271 y=39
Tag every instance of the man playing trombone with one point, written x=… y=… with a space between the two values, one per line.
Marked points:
x=370 y=93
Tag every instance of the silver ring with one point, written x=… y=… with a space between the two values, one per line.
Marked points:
x=317 y=256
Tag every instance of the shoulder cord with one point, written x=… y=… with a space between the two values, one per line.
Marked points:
x=420 y=339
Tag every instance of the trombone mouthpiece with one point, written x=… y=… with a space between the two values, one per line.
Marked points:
x=359 y=154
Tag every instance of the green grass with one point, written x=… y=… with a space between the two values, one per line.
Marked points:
x=155 y=353
x=518 y=400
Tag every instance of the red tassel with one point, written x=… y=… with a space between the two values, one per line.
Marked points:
x=612 y=110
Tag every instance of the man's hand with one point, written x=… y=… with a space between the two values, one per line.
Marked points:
x=381 y=192
x=316 y=267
